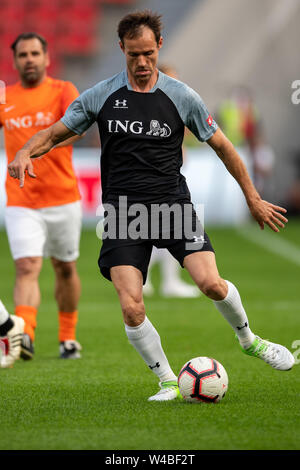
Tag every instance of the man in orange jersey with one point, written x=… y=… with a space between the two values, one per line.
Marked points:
x=43 y=219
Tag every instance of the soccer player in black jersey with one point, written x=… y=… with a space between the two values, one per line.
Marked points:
x=141 y=114
x=171 y=284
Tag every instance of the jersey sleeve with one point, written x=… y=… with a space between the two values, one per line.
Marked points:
x=69 y=94
x=190 y=107
x=81 y=113
x=198 y=118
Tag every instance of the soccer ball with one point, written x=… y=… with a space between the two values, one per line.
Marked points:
x=203 y=379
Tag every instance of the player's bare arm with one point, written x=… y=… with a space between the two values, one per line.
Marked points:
x=262 y=211
x=70 y=141
x=41 y=143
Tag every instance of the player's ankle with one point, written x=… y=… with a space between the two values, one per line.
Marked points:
x=246 y=340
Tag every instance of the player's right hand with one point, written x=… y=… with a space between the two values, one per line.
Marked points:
x=19 y=166
x=265 y=212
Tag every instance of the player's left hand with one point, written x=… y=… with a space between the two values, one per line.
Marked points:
x=266 y=213
x=21 y=163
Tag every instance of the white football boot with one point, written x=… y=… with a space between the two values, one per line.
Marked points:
x=275 y=355
x=168 y=391
x=11 y=343
x=70 y=349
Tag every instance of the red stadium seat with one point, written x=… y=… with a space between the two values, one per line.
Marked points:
x=44 y=15
x=7 y=72
x=94 y=4
x=32 y=5
x=77 y=32
x=70 y=27
x=45 y=28
x=82 y=14
x=118 y=2
x=7 y=39
x=78 y=43
x=11 y=18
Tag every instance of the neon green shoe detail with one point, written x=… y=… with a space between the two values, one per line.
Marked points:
x=257 y=348
x=276 y=355
x=170 y=383
x=168 y=391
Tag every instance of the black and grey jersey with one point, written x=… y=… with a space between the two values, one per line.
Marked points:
x=141 y=135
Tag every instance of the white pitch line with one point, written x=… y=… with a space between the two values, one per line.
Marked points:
x=279 y=246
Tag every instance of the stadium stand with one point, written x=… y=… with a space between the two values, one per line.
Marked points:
x=259 y=50
x=82 y=36
x=71 y=28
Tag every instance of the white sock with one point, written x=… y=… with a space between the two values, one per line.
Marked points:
x=233 y=311
x=4 y=315
x=145 y=339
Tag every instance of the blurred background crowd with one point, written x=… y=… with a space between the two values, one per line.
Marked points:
x=241 y=56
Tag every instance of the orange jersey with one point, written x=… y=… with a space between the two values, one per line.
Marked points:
x=27 y=111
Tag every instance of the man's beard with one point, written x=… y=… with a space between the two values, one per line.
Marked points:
x=31 y=77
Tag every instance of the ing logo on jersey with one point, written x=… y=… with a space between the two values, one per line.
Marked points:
x=137 y=127
x=40 y=119
x=158 y=131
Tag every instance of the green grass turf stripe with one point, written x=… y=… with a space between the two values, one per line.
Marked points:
x=271 y=242
x=100 y=401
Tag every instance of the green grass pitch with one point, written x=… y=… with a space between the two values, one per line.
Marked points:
x=100 y=401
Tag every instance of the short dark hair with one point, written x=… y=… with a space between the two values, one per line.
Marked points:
x=132 y=23
x=25 y=36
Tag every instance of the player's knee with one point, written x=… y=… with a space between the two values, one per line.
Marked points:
x=213 y=289
x=64 y=270
x=28 y=267
x=133 y=312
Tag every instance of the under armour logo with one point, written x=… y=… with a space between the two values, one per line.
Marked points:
x=199 y=239
x=156 y=365
x=241 y=327
x=121 y=104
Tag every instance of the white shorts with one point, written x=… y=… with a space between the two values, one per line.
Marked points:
x=50 y=231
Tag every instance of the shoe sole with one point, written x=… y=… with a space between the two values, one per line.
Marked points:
x=76 y=355
x=3 y=366
x=168 y=399
x=26 y=355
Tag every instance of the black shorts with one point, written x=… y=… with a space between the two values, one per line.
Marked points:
x=137 y=253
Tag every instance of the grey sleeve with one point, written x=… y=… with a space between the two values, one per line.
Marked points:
x=190 y=107
x=83 y=112
x=198 y=119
